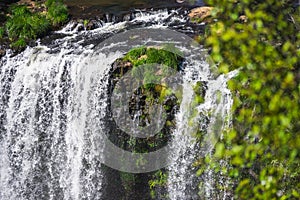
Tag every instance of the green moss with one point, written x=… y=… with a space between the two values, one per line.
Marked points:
x=2 y=31
x=135 y=53
x=198 y=100
x=172 y=48
x=147 y=57
x=199 y=89
x=85 y=22
x=128 y=180
x=159 y=180
x=164 y=93
x=143 y=55
x=57 y=12
x=169 y=123
x=196 y=20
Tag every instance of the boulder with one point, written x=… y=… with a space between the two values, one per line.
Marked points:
x=200 y=14
x=92 y=24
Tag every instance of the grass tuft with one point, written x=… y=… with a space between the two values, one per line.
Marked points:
x=57 y=12
x=22 y=25
x=2 y=31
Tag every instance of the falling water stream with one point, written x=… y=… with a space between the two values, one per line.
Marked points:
x=53 y=108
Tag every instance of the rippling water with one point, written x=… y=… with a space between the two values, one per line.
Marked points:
x=123 y=6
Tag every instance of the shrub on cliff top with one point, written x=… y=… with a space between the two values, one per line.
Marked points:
x=22 y=24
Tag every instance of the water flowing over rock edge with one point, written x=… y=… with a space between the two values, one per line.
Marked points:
x=43 y=95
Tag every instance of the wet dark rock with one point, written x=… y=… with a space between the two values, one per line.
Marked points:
x=92 y=24
x=9 y=1
x=119 y=68
x=108 y=17
x=73 y=23
x=2 y=52
x=80 y=27
x=111 y=18
x=140 y=104
x=50 y=39
x=127 y=17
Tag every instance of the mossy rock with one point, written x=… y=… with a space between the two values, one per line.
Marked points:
x=142 y=58
x=200 y=88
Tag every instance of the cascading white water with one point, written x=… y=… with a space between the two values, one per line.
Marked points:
x=52 y=108
x=210 y=117
x=49 y=121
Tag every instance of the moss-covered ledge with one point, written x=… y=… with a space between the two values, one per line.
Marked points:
x=146 y=96
x=141 y=100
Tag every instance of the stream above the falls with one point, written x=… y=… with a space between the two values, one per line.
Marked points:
x=91 y=8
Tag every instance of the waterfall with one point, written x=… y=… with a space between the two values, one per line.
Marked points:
x=209 y=118
x=54 y=105
x=47 y=124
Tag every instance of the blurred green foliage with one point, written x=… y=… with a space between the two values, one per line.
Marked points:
x=262 y=147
